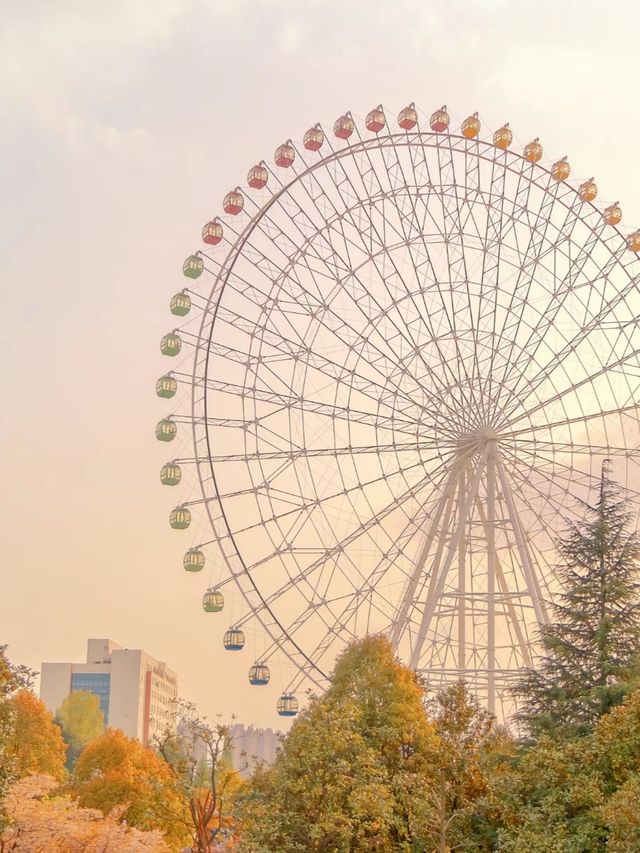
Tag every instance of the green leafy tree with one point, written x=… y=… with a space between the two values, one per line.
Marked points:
x=81 y=720
x=352 y=772
x=590 y=650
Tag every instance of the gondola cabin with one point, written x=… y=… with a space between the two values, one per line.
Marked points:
x=233 y=202
x=287 y=705
x=193 y=560
x=259 y=674
x=613 y=214
x=193 y=266
x=408 y=117
x=533 y=151
x=313 y=139
x=471 y=126
x=343 y=127
x=166 y=386
x=257 y=177
x=171 y=344
x=212 y=232
x=561 y=170
x=166 y=430
x=375 y=120
x=234 y=640
x=180 y=304
x=439 y=121
x=285 y=155
x=213 y=601
x=633 y=241
x=503 y=137
x=180 y=518
x=170 y=474
x=588 y=190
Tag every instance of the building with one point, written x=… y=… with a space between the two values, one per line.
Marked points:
x=136 y=691
x=249 y=746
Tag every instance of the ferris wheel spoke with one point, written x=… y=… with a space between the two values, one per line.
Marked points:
x=450 y=232
x=361 y=529
x=579 y=419
x=530 y=261
x=572 y=344
x=390 y=196
x=302 y=453
x=569 y=390
x=347 y=267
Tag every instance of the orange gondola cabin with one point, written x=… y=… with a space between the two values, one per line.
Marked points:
x=588 y=190
x=471 y=126
x=561 y=170
x=533 y=151
x=503 y=137
x=633 y=241
x=613 y=214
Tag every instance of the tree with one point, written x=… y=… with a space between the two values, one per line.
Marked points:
x=198 y=757
x=12 y=678
x=35 y=743
x=352 y=771
x=41 y=820
x=590 y=650
x=469 y=741
x=114 y=770
x=81 y=720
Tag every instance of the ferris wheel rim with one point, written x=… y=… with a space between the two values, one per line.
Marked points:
x=226 y=269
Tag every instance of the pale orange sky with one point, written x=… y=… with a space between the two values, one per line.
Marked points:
x=121 y=127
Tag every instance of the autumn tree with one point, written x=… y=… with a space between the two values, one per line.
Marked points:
x=35 y=743
x=590 y=649
x=114 y=771
x=12 y=679
x=81 y=720
x=197 y=753
x=352 y=772
x=42 y=820
x=468 y=742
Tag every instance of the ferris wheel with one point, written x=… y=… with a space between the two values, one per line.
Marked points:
x=406 y=351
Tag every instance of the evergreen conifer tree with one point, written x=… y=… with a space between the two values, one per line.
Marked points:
x=590 y=649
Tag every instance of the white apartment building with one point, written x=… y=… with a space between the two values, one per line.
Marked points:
x=249 y=746
x=136 y=691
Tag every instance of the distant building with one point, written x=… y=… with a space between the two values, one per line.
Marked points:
x=135 y=690
x=249 y=746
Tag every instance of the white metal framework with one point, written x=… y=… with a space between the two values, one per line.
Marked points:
x=412 y=352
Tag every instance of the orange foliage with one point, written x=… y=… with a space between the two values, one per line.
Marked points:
x=35 y=743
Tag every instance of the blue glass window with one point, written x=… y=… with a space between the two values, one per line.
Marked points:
x=98 y=683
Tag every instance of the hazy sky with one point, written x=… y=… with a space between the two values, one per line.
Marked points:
x=122 y=124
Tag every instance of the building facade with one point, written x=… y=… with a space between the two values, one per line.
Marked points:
x=137 y=692
x=249 y=746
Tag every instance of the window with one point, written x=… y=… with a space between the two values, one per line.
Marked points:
x=98 y=683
